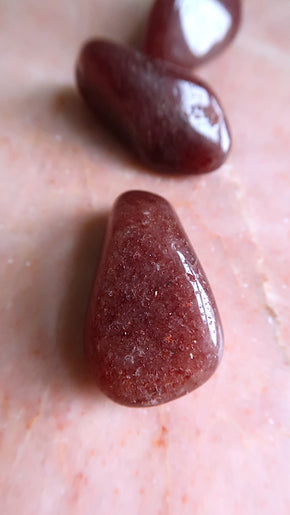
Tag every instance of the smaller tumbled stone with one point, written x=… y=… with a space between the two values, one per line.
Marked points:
x=172 y=121
x=190 y=32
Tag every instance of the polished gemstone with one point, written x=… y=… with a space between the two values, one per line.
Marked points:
x=172 y=121
x=153 y=331
x=190 y=32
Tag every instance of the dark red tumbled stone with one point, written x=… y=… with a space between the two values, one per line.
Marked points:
x=173 y=122
x=153 y=331
x=190 y=32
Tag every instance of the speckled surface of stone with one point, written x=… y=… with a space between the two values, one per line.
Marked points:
x=153 y=330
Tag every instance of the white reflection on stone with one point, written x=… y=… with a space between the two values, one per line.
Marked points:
x=194 y=101
x=204 y=23
x=204 y=304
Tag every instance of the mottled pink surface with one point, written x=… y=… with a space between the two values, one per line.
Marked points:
x=65 y=448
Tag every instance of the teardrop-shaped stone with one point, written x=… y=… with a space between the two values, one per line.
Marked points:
x=190 y=32
x=153 y=331
x=172 y=121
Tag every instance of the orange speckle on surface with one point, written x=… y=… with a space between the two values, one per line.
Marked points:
x=31 y=422
x=5 y=404
x=184 y=499
x=161 y=441
x=116 y=491
x=141 y=491
x=59 y=102
x=82 y=478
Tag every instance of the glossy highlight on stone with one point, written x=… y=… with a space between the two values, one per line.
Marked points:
x=153 y=331
x=190 y=32
x=172 y=121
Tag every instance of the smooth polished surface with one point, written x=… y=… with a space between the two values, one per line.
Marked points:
x=190 y=32
x=172 y=121
x=153 y=330
x=66 y=449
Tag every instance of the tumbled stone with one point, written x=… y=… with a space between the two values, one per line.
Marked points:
x=172 y=121
x=190 y=32
x=153 y=331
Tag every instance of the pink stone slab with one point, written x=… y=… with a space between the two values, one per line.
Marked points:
x=65 y=448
